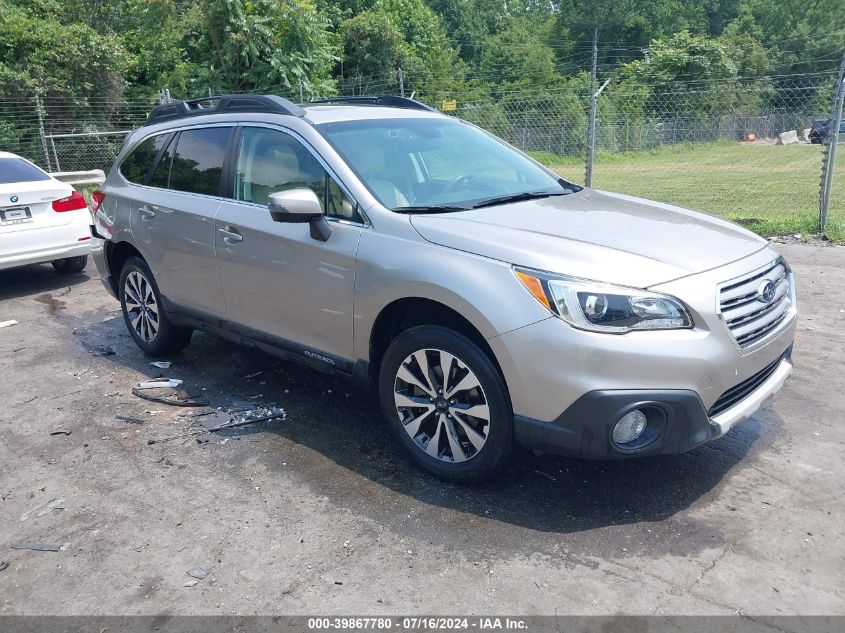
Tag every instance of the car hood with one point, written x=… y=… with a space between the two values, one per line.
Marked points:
x=595 y=235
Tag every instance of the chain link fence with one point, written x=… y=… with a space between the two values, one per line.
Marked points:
x=715 y=146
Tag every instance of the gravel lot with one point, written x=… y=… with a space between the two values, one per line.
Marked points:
x=318 y=514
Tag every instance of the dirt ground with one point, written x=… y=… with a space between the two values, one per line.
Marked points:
x=317 y=513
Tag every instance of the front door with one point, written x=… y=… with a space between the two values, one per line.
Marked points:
x=280 y=283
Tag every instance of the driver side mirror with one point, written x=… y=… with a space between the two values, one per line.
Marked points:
x=299 y=206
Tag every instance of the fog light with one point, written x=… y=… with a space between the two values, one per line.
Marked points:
x=630 y=427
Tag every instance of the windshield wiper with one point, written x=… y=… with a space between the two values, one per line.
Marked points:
x=431 y=208
x=518 y=197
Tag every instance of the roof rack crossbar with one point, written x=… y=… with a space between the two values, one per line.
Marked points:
x=383 y=100
x=179 y=109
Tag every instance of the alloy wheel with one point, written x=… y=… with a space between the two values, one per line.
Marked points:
x=141 y=306
x=442 y=405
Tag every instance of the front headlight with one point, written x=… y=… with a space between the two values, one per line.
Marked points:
x=598 y=307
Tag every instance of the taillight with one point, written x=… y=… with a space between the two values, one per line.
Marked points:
x=73 y=202
x=97 y=196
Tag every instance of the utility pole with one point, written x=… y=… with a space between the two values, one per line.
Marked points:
x=41 y=132
x=832 y=141
x=591 y=131
x=401 y=84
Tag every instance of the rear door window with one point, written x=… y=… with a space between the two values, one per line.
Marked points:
x=18 y=170
x=198 y=160
x=161 y=174
x=136 y=166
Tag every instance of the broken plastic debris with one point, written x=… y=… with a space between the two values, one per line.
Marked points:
x=8 y=323
x=39 y=547
x=192 y=583
x=3 y=565
x=197 y=572
x=158 y=384
x=162 y=364
x=215 y=421
x=131 y=420
x=53 y=505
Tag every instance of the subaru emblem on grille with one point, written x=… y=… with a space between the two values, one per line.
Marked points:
x=13 y=198
x=766 y=292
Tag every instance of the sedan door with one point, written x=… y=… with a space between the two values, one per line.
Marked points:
x=172 y=219
x=281 y=284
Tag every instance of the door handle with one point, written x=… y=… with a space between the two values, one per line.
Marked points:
x=230 y=234
x=146 y=213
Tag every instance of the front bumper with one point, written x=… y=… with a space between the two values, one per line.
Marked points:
x=698 y=382
x=677 y=420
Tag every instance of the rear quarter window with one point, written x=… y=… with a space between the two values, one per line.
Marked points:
x=136 y=166
x=18 y=170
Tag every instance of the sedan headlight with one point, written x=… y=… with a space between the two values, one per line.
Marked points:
x=598 y=307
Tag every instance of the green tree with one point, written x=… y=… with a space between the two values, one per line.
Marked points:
x=255 y=45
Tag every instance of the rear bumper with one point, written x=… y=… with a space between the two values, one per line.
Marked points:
x=98 y=252
x=677 y=420
x=45 y=255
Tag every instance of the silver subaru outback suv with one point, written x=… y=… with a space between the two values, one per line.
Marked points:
x=487 y=301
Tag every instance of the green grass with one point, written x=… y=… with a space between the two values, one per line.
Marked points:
x=768 y=188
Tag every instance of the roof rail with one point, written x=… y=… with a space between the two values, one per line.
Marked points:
x=382 y=100
x=179 y=109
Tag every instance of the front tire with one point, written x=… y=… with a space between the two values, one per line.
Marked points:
x=143 y=312
x=447 y=404
x=70 y=265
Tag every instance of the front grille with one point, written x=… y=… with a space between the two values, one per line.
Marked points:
x=749 y=319
x=743 y=389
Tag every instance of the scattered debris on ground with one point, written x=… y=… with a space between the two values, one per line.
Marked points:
x=218 y=422
x=129 y=419
x=161 y=364
x=3 y=565
x=168 y=396
x=160 y=384
x=60 y=432
x=197 y=572
x=53 y=506
x=40 y=547
x=8 y=323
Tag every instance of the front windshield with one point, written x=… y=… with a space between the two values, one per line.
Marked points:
x=416 y=164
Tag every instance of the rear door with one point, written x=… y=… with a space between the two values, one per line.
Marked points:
x=172 y=218
x=27 y=218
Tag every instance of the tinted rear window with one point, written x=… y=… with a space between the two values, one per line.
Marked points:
x=136 y=166
x=198 y=163
x=18 y=170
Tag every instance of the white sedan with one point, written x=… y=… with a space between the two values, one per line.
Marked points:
x=41 y=219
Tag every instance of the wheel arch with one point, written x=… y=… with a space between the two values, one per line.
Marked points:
x=404 y=313
x=117 y=254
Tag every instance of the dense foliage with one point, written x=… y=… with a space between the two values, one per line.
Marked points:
x=97 y=56
x=83 y=49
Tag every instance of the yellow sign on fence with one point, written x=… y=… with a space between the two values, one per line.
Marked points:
x=450 y=106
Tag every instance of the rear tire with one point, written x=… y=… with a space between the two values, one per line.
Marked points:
x=431 y=378
x=144 y=314
x=71 y=265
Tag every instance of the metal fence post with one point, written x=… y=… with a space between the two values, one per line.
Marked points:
x=401 y=84
x=41 y=132
x=591 y=130
x=832 y=141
